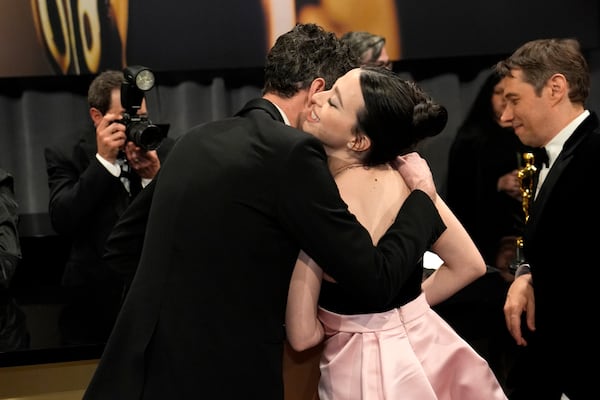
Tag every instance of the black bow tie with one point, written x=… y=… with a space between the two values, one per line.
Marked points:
x=540 y=157
x=135 y=182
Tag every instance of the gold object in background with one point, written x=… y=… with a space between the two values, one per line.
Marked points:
x=340 y=16
x=527 y=177
x=82 y=36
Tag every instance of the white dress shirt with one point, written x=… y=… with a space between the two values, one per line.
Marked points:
x=554 y=147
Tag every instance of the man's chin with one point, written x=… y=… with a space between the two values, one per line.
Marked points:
x=522 y=135
x=519 y=131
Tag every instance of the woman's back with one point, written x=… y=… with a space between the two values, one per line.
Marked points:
x=373 y=194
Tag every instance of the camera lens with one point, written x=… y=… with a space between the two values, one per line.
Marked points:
x=145 y=135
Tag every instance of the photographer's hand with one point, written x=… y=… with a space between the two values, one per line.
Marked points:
x=110 y=137
x=145 y=163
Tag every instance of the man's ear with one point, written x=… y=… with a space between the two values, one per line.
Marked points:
x=95 y=115
x=360 y=143
x=317 y=85
x=558 y=86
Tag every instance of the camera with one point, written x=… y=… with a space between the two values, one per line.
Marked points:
x=138 y=128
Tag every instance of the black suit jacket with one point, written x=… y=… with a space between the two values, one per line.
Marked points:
x=85 y=202
x=10 y=245
x=479 y=156
x=561 y=243
x=233 y=205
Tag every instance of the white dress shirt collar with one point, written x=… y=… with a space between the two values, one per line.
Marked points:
x=555 y=146
x=285 y=117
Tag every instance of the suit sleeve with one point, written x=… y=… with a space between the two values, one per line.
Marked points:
x=313 y=211
x=124 y=245
x=123 y=248
x=75 y=197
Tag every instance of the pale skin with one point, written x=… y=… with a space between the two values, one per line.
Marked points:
x=536 y=119
x=374 y=195
x=414 y=169
x=111 y=137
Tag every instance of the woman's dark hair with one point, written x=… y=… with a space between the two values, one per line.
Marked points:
x=397 y=114
x=482 y=112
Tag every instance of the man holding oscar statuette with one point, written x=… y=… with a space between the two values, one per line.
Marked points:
x=552 y=298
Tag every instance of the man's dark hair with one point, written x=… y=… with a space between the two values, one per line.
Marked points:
x=100 y=90
x=542 y=58
x=365 y=46
x=303 y=54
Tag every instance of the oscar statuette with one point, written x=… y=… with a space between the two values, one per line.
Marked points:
x=527 y=178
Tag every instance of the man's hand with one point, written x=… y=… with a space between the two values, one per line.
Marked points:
x=509 y=183
x=506 y=254
x=110 y=137
x=518 y=300
x=416 y=173
x=145 y=163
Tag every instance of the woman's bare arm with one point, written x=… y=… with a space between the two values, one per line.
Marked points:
x=302 y=327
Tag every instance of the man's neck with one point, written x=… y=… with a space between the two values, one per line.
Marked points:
x=286 y=120
x=291 y=107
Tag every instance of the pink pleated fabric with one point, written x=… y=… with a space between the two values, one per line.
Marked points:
x=409 y=353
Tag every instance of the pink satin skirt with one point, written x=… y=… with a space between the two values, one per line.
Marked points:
x=409 y=353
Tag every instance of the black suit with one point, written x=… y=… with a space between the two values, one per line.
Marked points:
x=85 y=202
x=234 y=203
x=479 y=156
x=10 y=245
x=561 y=243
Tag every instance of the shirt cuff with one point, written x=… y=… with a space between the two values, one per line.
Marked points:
x=523 y=269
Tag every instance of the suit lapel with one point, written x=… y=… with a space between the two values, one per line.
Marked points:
x=564 y=158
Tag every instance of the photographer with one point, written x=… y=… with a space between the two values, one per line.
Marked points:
x=92 y=178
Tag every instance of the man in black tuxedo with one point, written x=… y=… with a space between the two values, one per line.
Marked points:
x=232 y=206
x=92 y=179
x=546 y=83
x=14 y=334
x=10 y=244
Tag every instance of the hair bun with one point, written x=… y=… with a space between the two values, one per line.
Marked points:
x=429 y=118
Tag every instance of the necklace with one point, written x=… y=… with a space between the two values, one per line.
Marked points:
x=346 y=168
